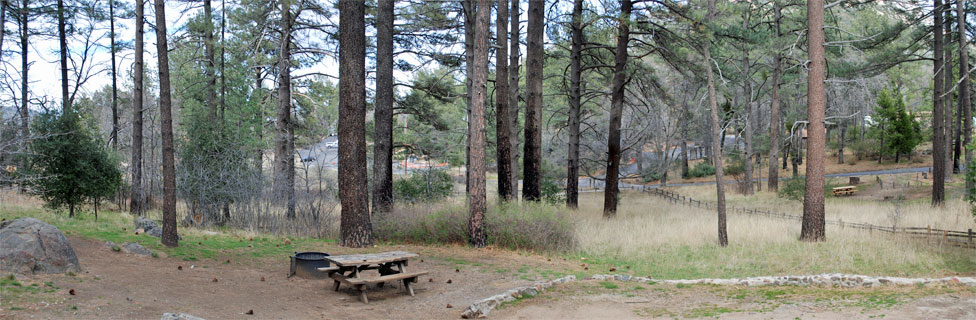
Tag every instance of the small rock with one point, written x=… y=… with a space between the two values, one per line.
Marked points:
x=179 y=316
x=262 y=279
x=214 y=279
x=249 y=312
x=71 y=292
x=449 y=281
x=449 y=306
x=136 y=249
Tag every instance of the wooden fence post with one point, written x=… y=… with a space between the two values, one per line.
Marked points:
x=970 y=233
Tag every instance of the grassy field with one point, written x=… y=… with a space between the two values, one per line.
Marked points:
x=118 y=227
x=652 y=237
x=649 y=237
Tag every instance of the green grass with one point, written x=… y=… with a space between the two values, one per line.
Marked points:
x=609 y=285
x=195 y=246
x=708 y=311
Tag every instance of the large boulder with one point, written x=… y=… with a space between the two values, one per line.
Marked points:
x=145 y=224
x=29 y=246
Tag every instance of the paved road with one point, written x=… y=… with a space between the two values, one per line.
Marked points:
x=586 y=182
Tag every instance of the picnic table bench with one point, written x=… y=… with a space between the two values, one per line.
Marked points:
x=392 y=266
x=844 y=191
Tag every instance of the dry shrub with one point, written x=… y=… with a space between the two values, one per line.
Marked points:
x=530 y=226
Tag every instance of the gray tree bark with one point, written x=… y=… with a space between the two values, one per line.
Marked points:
x=170 y=237
x=513 y=91
x=136 y=196
x=723 y=236
x=383 y=114
x=938 y=115
x=772 y=183
x=964 y=98
x=505 y=126
x=532 y=161
x=355 y=226
x=616 y=111
x=284 y=163
x=575 y=70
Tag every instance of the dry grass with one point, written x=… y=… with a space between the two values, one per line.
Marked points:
x=656 y=238
x=914 y=212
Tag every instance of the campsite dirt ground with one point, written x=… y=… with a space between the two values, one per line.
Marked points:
x=115 y=285
x=593 y=300
x=119 y=286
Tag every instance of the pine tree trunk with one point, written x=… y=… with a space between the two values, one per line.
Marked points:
x=504 y=128
x=532 y=163
x=513 y=91
x=964 y=98
x=259 y=117
x=136 y=205
x=470 y=11
x=114 y=136
x=24 y=80
x=616 y=111
x=208 y=43
x=476 y=198
x=747 y=92
x=170 y=237
x=284 y=159
x=947 y=67
x=3 y=20
x=772 y=183
x=355 y=226
x=938 y=115
x=723 y=237
x=840 y=142
x=383 y=114
x=63 y=41
x=813 y=201
x=575 y=70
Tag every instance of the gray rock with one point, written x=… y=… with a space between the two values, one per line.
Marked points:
x=110 y=244
x=179 y=316
x=136 y=249
x=29 y=246
x=146 y=224
x=155 y=232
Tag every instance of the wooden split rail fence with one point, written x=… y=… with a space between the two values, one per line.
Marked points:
x=966 y=239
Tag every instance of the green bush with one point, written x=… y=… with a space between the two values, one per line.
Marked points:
x=793 y=189
x=70 y=162
x=702 y=169
x=427 y=185
x=533 y=226
x=651 y=173
x=796 y=188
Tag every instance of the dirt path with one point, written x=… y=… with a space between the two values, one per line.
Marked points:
x=593 y=300
x=119 y=286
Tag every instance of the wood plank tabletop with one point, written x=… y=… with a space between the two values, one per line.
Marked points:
x=371 y=258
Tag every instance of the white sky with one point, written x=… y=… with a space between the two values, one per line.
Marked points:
x=44 y=57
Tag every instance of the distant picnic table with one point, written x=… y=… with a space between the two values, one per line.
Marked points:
x=392 y=266
x=845 y=191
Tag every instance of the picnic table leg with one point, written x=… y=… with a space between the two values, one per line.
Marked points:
x=406 y=285
x=362 y=293
x=336 y=285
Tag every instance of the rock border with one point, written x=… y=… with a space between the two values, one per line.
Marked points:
x=824 y=279
x=481 y=308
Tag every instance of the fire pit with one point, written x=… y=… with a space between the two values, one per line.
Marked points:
x=305 y=265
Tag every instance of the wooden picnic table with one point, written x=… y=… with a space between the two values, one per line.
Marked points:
x=846 y=190
x=392 y=266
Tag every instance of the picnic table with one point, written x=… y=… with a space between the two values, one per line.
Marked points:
x=844 y=191
x=392 y=266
